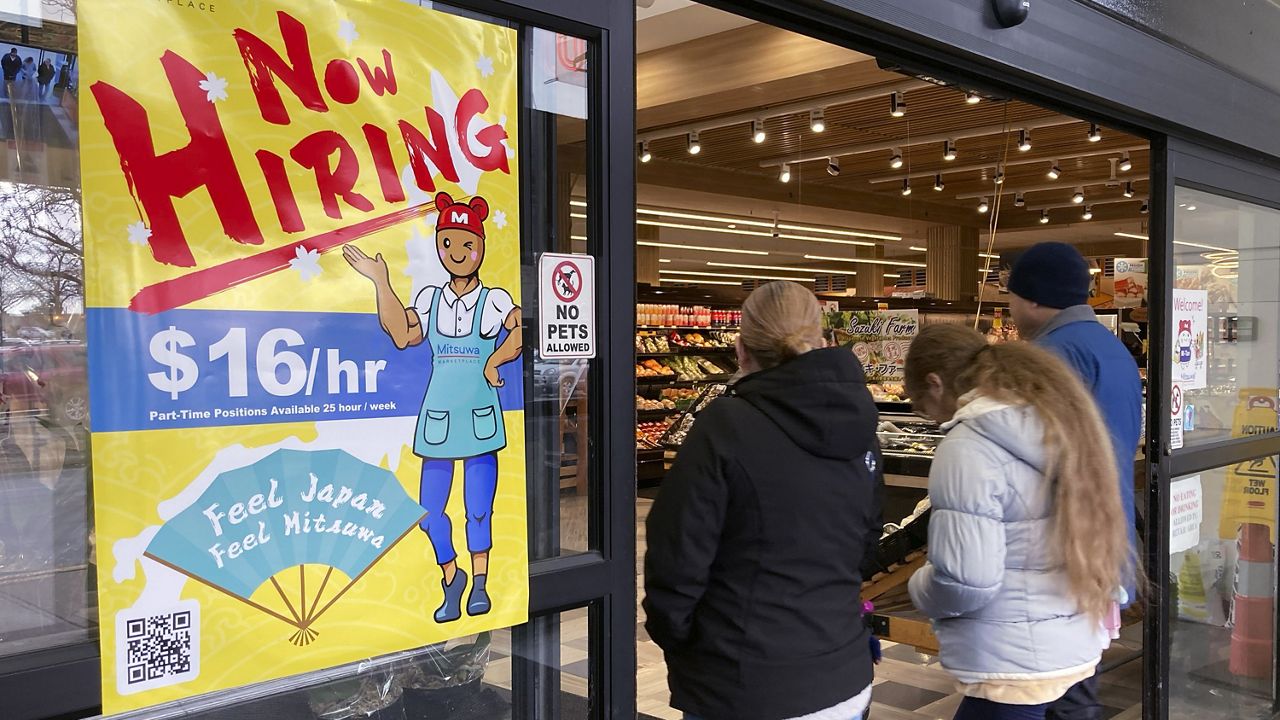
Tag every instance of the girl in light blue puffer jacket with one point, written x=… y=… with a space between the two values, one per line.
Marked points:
x=1027 y=542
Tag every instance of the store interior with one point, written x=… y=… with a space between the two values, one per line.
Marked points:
x=899 y=199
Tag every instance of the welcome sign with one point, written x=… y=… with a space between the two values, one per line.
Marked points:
x=303 y=300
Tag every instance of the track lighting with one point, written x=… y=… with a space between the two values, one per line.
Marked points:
x=1095 y=133
x=1144 y=209
x=1128 y=189
x=972 y=98
x=897 y=106
x=1125 y=163
x=937 y=183
x=1055 y=171
x=645 y=155
x=1078 y=197
x=1044 y=217
x=785 y=174
x=1019 y=200
x=757 y=131
x=1024 y=140
x=694 y=144
x=999 y=176
x=817 y=120
x=833 y=167
x=906 y=187
x=1088 y=213
x=895 y=160
x=949 y=150
x=984 y=206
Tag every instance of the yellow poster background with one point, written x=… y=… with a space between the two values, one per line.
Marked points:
x=121 y=41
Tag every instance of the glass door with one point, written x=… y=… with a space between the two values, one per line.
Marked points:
x=1216 y=371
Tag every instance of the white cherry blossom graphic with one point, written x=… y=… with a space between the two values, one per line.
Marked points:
x=214 y=87
x=499 y=219
x=139 y=233
x=485 y=66
x=347 y=31
x=307 y=263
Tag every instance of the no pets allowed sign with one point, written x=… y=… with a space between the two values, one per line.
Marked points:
x=566 y=306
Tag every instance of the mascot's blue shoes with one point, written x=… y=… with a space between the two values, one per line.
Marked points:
x=478 y=603
x=452 y=608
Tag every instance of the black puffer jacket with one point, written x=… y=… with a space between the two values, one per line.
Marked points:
x=756 y=540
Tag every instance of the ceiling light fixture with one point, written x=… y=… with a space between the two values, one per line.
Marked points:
x=762 y=224
x=897 y=106
x=892 y=275
x=1024 y=140
x=1128 y=189
x=1088 y=213
x=937 y=183
x=917 y=248
x=1044 y=217
x=754 y=233
x=785 y=174
x=948 y=150
x=1191 y=208
x=1125 y=163
x=1134 y=236
x=984 y=206
x=699 y=281
x=698 y=273
x=895 y=159
x=833 y=167
x=780 y=267
x=866 y=261
x=757 y=131
x=1078 y=196
x=694 y=143
x=645 y=155
x=1144 y=209
x=972 y=98
x=699 y=248
x=1055 y=171
x=906 y=186
x=1202 y=246
x=817 y=120
x=999 y=177
x=1019 y=200
x=1095 y=132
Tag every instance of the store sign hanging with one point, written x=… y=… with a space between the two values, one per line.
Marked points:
x=1190 y=337
x=879 y=338
x=566 y=307
x=303 y=288
x=1130 y=282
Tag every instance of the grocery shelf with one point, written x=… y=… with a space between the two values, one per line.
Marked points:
x=663 y=412
x=669 y=381
x=686 y=351
x=691 y=328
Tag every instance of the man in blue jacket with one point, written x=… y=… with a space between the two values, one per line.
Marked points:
x=1049 y=287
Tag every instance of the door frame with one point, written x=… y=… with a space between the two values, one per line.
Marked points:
x=1185 y=164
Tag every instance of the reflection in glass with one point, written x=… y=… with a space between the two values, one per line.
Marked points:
x=46 y=553
x=1227 y=256
x=1222 y=572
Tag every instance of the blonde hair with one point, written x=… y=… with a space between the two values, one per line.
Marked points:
x=780 y=321
x=1089 y=526
x=944 y=350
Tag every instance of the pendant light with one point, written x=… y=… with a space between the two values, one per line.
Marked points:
x=817 y=120
x=949 y=150
x=1125 y=163
x=757 y=131
x=785 y=174
x=897 y=106
x=645 y=155
x=694 y=143
x=1024 y=140
x=1044 y=217
x=895 y=160
x=984 y=206
x=1055 y=171
x=937 y=183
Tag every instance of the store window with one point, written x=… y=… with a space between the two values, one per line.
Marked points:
x=557 y=101
x=1226 y=316
x=1222 y=570
x=46 y=529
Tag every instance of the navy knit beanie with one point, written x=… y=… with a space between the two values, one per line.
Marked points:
x=1051 y=274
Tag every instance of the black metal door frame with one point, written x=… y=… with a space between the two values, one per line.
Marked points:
x=1182 y=164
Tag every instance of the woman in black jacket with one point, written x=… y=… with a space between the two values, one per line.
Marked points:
x=755 y=543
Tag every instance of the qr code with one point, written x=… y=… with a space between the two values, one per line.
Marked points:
x=157 y=648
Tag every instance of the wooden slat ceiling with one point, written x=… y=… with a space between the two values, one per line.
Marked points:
x=930 y=111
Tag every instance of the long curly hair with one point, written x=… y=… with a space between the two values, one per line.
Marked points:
x=1089 y=527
